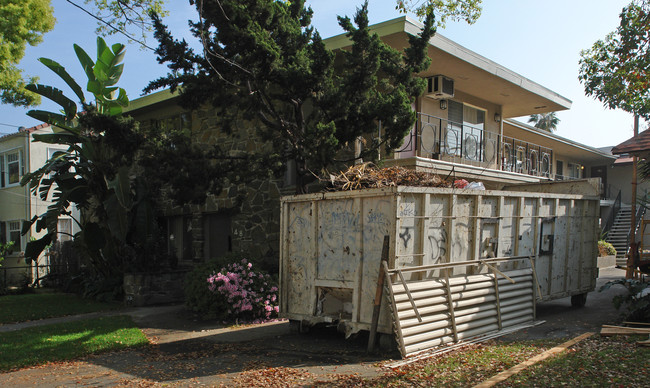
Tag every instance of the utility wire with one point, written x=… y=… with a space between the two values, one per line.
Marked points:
x=111 y=26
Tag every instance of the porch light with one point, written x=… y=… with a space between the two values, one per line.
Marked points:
x=443 y=104
x=497 y=117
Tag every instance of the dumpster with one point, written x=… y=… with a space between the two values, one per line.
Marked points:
x=459 y=263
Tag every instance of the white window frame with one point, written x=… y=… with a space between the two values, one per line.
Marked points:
x=4 y=167
x=15 y=226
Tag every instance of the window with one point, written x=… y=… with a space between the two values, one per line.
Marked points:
x=10 y=231
x=64 y=226
x=575 y=170
x=465 y=131
x=179 y=237
x=11 y=168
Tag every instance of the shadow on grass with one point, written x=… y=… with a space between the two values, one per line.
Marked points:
x=246 y=349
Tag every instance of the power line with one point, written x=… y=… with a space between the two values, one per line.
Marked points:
x=11 y=125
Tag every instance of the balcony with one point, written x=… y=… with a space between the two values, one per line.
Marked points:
x=439 y=139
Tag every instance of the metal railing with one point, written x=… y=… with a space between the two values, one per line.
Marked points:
x=438 y=138
x=612 y=214
x=635 y=232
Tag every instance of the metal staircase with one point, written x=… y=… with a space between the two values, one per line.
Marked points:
x=617 y=235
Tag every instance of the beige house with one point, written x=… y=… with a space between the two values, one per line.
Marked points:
x=18 y=155
x=464 y=129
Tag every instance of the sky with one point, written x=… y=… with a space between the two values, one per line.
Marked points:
x=540 y=40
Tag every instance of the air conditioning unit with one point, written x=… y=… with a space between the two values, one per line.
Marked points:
x=440 y=87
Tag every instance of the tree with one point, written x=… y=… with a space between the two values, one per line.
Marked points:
x=456 y=10
x=93 y=173
x=546 y=121
x=114 y=172
x=264 y=65
x=23 y=22
x=123 y=16
x=616 y=70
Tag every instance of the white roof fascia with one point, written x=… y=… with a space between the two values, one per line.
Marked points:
x=559 y=139
x=413 y=27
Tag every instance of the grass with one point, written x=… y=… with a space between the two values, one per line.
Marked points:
x=594 y=362
x=65 y=341
x=30 y=307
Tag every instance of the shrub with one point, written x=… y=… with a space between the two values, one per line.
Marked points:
x=605 y=249
x=636 y=301
x=235 y=293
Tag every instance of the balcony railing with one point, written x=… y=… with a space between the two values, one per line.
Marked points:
x=438 y=138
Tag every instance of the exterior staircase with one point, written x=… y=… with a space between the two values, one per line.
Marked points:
x=617 y=235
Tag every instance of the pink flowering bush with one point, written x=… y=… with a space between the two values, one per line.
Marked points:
x=236 y=293
x=249 y=296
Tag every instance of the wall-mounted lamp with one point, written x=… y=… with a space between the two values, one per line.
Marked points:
x=497 y=117
x=443 y=104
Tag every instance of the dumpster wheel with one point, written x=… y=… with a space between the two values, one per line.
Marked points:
x=579 y=300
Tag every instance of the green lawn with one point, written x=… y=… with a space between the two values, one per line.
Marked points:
x=30 y=307
x=594 y=362
x=39 y=345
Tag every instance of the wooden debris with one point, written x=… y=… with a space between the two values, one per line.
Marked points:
x=636 y=323
x=610 y=330
x=366 y=176
x=645 y=343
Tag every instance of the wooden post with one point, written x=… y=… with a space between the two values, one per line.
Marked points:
x=378 y=295
x=629 y=273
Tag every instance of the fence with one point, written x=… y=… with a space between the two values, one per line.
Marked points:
x=435 y=137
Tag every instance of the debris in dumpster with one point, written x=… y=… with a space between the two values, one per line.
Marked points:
x=367 y=175
x=460 y=183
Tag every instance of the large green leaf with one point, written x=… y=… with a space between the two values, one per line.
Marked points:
x=35 y=247
x=57 y=138
x=56 y=95
x=117 y=218
x=61 y=72
x=119 y=50
x=114 y=74
x=121 y=186
x=86 y=62
x=51 y=118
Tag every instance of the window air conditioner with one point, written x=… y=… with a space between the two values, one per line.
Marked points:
x=439 y=87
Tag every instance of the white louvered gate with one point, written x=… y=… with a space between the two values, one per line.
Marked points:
x=436 y=311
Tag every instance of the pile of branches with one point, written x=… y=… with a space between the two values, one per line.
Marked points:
x=367 y=176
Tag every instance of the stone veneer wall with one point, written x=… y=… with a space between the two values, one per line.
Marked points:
x=254 y=209
x=145 y=289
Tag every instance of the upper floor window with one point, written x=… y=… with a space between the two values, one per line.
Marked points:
x=11 y=168
x=10 y=231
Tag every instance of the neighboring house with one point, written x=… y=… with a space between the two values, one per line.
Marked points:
x=464 y=130
x=18 y=155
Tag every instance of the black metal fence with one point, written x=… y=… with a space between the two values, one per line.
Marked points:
x=438 y=138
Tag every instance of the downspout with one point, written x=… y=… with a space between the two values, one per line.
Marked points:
x=27 y=167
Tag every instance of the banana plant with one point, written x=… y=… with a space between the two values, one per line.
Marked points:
x=94 y=173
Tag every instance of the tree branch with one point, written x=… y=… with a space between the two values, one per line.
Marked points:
x=111 y=26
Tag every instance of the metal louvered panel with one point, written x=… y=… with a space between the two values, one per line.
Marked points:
x=433 y=312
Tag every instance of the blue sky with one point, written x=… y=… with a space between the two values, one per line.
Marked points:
x=540 y=40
